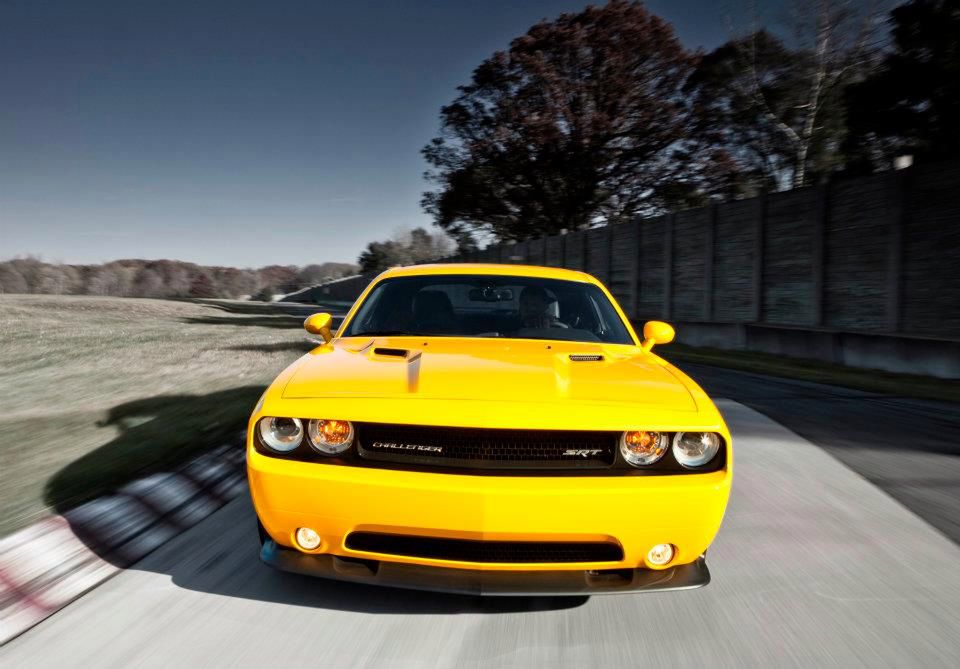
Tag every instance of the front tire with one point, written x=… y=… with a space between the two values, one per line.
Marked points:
x=262 y=533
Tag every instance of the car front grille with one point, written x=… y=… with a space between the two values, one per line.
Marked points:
x=466 y=550
x=479 y=448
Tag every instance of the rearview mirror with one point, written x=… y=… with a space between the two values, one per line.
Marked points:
x=319 y=324
x=656 y=332
x=490 y=294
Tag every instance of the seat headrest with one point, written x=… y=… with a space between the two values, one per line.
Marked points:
x=431 y=302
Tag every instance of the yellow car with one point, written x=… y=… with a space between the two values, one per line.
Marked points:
x=489 y=429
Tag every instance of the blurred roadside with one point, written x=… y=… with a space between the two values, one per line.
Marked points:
x=97 y=390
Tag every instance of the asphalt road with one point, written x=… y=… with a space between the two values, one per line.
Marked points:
x=908 y=447
x=814 y=566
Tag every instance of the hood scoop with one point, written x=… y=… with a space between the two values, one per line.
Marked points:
x=585 y=357
x=391 y=352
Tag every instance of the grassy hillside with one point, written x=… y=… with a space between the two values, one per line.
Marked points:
x=94 y=391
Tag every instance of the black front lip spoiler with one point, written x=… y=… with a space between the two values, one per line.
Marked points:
x=478 y=582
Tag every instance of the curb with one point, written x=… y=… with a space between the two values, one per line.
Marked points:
x=51 y=563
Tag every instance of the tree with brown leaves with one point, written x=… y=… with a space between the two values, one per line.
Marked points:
x=583 y=120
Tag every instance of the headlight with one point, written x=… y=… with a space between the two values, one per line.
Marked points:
x=693 y=449
x=281 y=434
x=643 y=448
x=330 y=437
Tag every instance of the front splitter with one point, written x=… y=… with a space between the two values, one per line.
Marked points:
x=483 y=582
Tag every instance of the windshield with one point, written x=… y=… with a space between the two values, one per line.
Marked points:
x=465 y=305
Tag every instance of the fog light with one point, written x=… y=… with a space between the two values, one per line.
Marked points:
x=307 y=538
x=660 y=555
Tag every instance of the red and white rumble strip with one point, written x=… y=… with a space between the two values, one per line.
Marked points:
x=46 y=566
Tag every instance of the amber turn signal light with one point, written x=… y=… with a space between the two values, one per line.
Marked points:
x=330 y=437
x=642 y=447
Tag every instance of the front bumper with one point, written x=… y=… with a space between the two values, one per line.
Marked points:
x=482 y=582
x=634 y=512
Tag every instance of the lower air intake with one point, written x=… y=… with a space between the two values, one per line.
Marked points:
x=466 y=550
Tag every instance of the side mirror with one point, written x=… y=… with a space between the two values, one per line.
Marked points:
x=656 y=332
x=319 y=324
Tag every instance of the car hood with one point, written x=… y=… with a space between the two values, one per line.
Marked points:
x=487 y=369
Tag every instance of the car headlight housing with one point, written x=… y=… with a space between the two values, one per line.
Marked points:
x=330 y=437
x=282 y=435
x=641 y=447
x=695 y=449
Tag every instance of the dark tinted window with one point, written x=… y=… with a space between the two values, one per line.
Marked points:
x=465 y=305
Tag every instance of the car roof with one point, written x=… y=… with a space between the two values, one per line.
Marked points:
x=489 y=268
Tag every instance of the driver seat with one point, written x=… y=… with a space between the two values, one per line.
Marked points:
x=433 y=311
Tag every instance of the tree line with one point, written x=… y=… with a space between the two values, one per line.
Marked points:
x=405 y=248
x=162 y=278
x=601 y=115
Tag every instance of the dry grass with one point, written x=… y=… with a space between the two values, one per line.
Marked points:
x=94 y=391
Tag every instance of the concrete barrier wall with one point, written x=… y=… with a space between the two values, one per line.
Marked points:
x=861 y=271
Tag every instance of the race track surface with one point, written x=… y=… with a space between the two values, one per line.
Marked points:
x=814 y=566
x=905 y=446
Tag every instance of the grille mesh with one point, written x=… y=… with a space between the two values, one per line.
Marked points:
x=464 y=550
x=486 y=448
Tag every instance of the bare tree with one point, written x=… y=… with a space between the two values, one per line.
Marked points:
x=148 y=283
x=11 y=280
x=405 y=248
x=101 y=281
x=835 y=42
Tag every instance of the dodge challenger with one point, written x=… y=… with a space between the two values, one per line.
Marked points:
x=489 y=429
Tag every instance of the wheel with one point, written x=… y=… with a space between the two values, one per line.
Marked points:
x=262 y=533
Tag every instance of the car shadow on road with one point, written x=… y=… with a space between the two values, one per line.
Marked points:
x=303 y=346
x=221 y=556
x=278 y=321
x=251 y=307
x=140 y=527
x=255 y=308
x=153 y=434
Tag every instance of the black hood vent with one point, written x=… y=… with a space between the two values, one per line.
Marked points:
x=586 y=357
x=394 y=352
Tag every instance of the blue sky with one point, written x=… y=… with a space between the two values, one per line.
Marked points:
x=239 y=133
